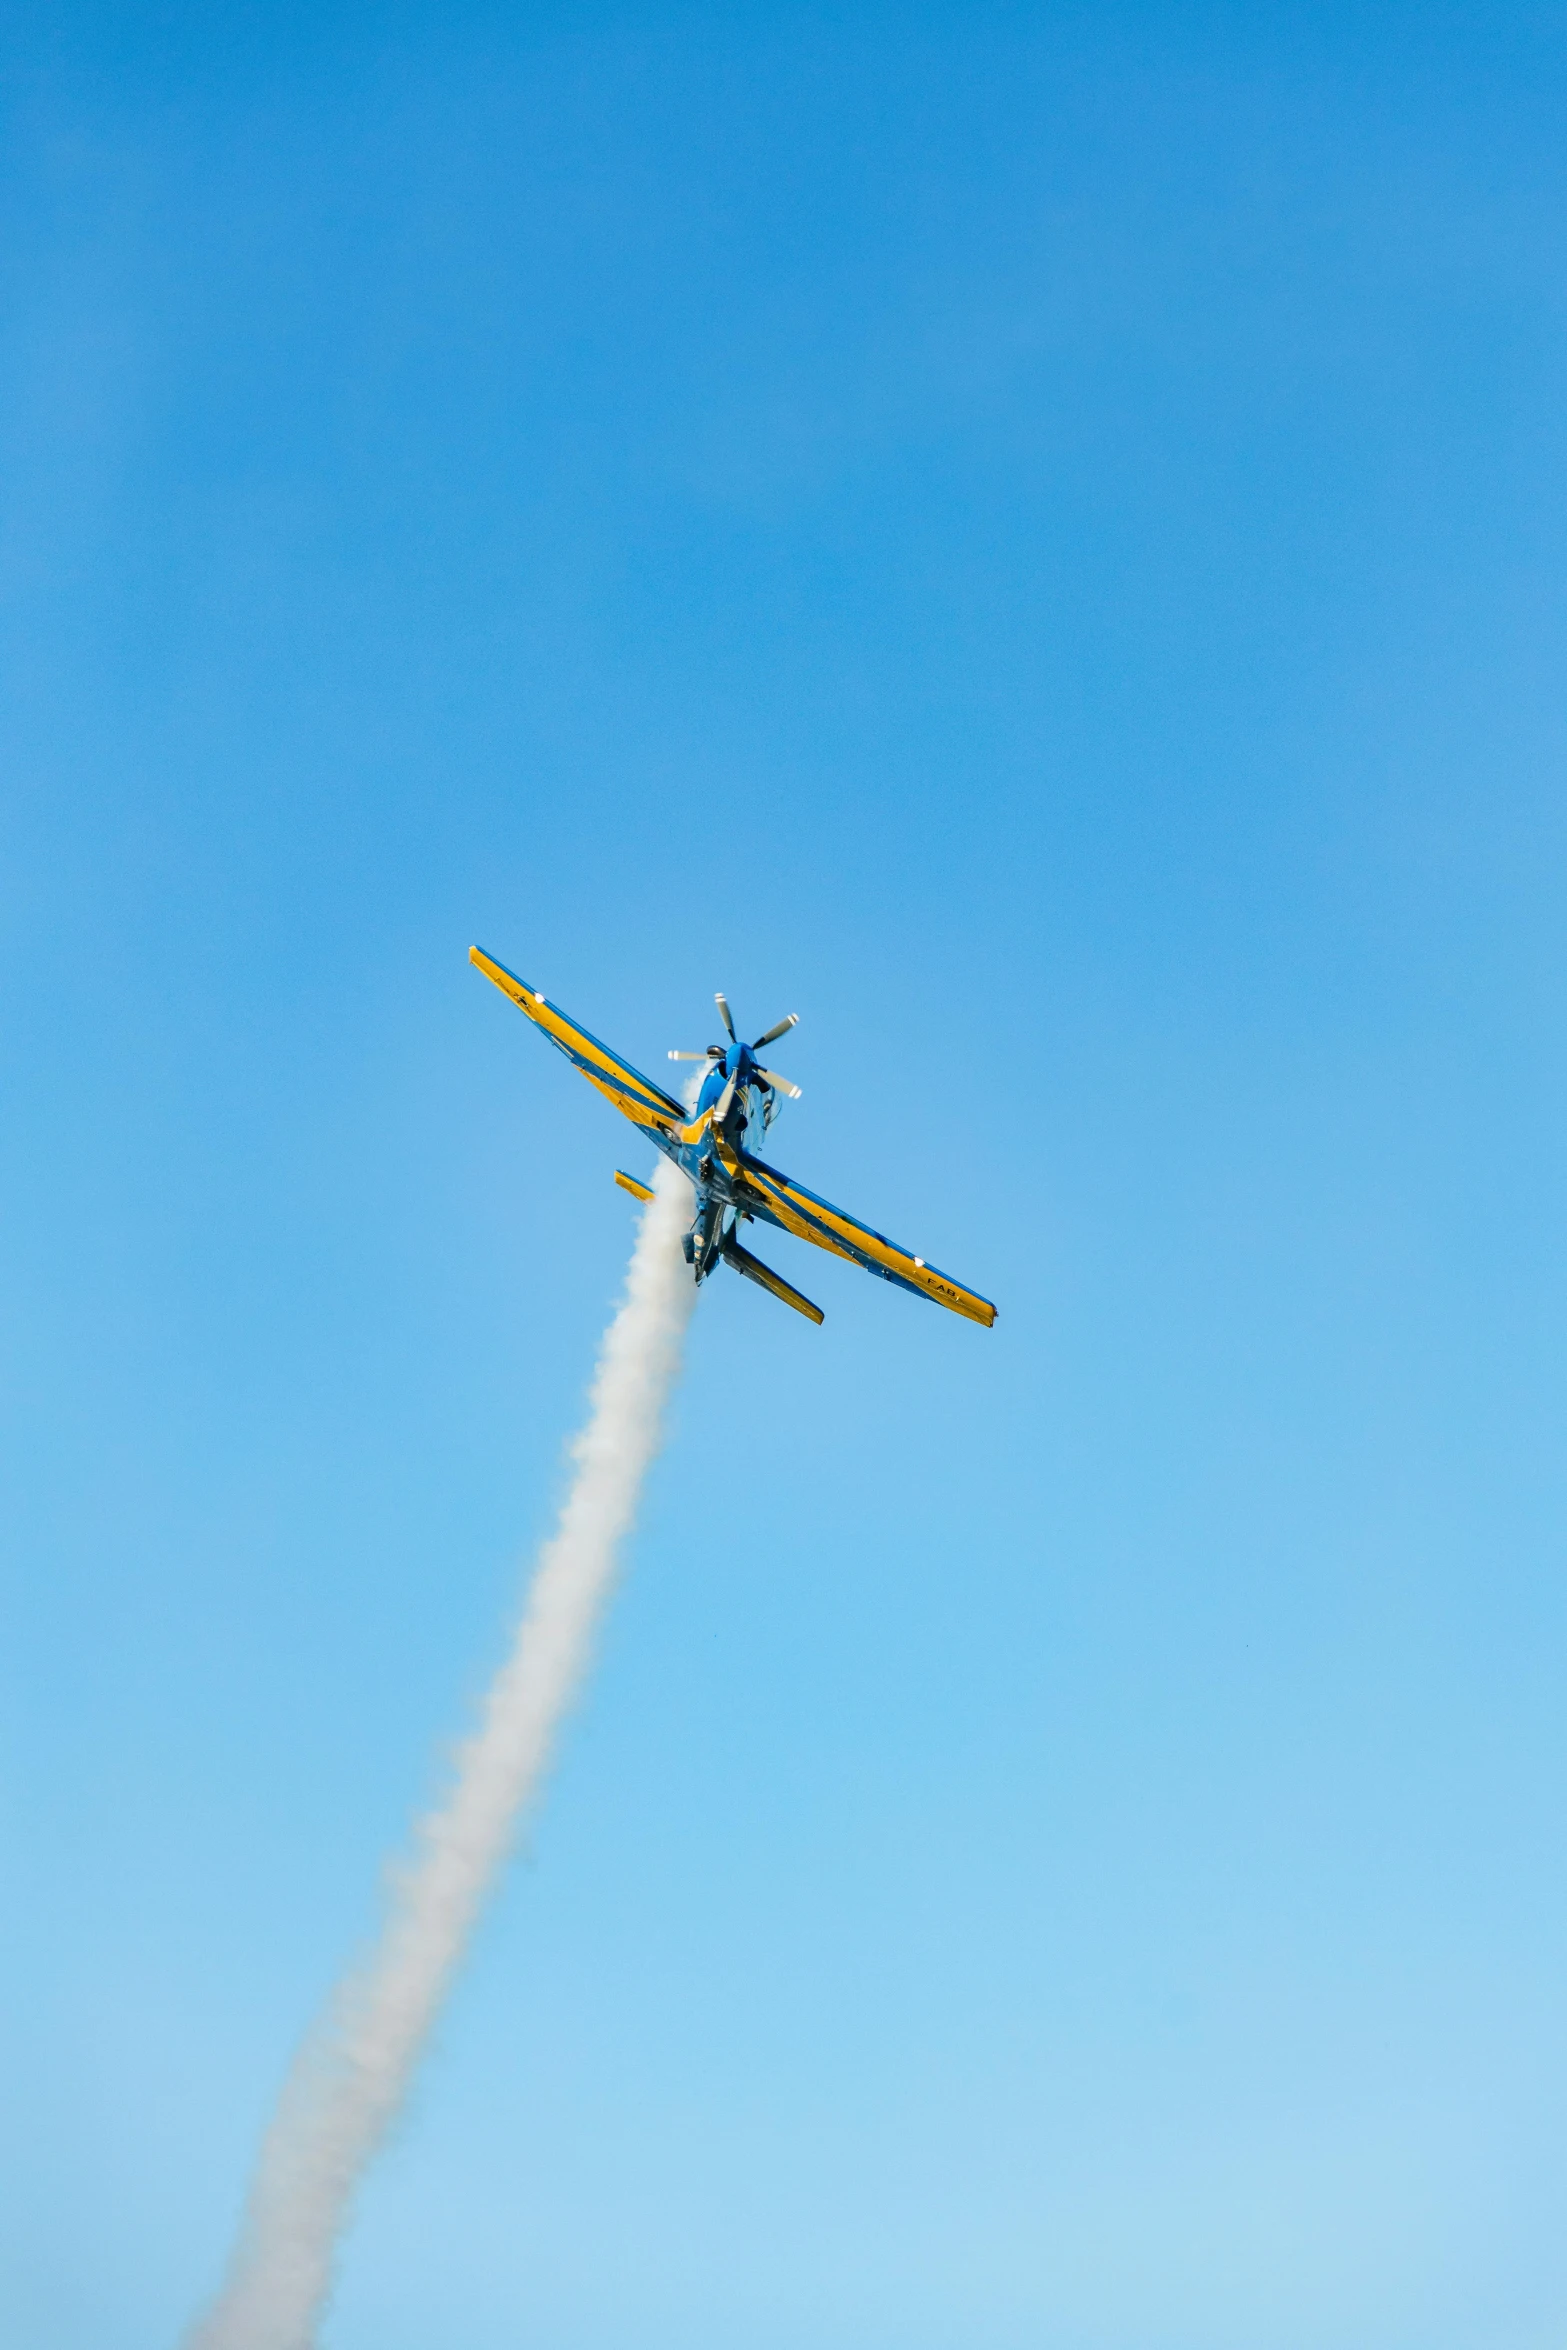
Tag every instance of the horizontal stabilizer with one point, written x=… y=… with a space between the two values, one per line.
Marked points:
x=630 y=1183
x=765 y=1278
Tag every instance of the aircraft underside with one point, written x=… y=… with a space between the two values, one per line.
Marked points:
x=723 y=1203
x=708 y=1140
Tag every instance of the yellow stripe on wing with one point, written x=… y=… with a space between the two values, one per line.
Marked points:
x=636 y=1096
x=816 y=1220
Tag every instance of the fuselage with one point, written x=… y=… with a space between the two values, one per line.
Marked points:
x=712 y=1151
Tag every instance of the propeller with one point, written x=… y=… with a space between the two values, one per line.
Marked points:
x=748 y=1068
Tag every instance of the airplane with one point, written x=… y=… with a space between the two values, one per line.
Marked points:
x=737 y=1104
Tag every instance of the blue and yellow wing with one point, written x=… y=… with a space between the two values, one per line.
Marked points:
x=788 y=1204
x=644 y=1103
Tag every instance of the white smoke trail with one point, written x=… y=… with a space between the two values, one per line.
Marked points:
x=350 y=2079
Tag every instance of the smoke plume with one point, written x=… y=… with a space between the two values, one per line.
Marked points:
x=350 y=2078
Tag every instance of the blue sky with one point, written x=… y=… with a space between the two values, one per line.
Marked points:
x=1033 y=538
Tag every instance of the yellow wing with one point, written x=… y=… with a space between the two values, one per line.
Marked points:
x=644 y=1103
x=784 y=1202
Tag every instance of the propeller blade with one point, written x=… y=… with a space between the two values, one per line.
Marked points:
x=773 y=1034
x=722 y=1001
x=721 y=1106
x=771 y=1077
x=688 y=1056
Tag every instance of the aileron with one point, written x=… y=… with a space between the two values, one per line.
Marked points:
x=637 y=1096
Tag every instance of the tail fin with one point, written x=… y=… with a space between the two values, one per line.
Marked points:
x=765 y=1278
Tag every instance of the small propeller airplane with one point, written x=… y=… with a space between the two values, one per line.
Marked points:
x=737 y=1104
